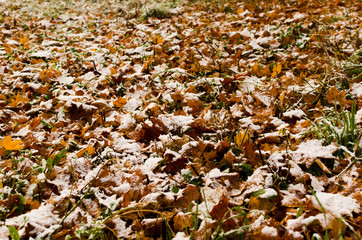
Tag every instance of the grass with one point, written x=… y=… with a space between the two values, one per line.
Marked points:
x=353 y=67
x=219 y=234
x=143 y=10
x=338 y=127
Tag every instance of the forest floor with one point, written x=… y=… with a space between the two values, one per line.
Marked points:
x=180 y=119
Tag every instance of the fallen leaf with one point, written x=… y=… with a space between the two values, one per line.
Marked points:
x=276 y=70
x=241 y=138
x=120 y=102
x=11 y=145
x=18 y=98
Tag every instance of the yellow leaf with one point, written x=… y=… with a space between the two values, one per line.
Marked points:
x=276 y=70
x=11 y=145
x=281 y=97
x=120 y=102
x=18 y=98
x=240 y=138
x=159 y=40
x=322 y=166
x=255 y=68
x=265 y=71
x=240 y=10
x=24 y=40
x=90 y=150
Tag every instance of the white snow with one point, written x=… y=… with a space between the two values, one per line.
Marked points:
x=359 y=116
x=294 y=113
x=110 y=202
x=151 y=164
x=41 y=219
x=173 y=122
x=181 y=236
x=65 y=80
x=316 y=184
x=356 y=89
x=298 y=16
x=41 y=54
x=88 y=76
x=310 y=150
x=12 y=42
x=269 y=193
x=269 y=231
x=246 y=33
x=336 y=204
x=4 y=232
x=121 y=144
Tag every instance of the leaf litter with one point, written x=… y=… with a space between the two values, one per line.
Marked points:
x=180 y=119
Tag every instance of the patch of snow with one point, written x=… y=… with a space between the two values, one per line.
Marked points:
x=65 y=80
x=88 y=76
x=276 y=121
x=246 y=33
x=298 y=16
x=49 y=43
x=269 y=231
x=121 y=228
x=173 y=122
x=151 y=164
x=41 y=54
x=23 y=131
x=4 y=231
x=46 y=105
x=356 y=89
x=310 y=150
x=12 y=42
x=110 y=202
x=236 y=111
x=248 y=123
x=255 y=45
x=336 y=204
x=42 y=220
x=269 y=193
x=260 y=219
x=316 y=184
x=359 y=115
x=294 y=113
x=181 y=236
x=127 y=121
x=121 y=144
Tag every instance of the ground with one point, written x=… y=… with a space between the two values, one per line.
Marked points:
x=181 y=119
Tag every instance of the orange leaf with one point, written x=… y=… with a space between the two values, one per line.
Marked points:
x=255 y=68
x=120 y=102
x=240 y=138
x=11 y=145
x=89 y=149
x=265 y=71
x=18 y=98
x=276 y=70
x=159 y=40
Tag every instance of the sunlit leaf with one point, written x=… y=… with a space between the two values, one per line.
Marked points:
x=11 y=145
